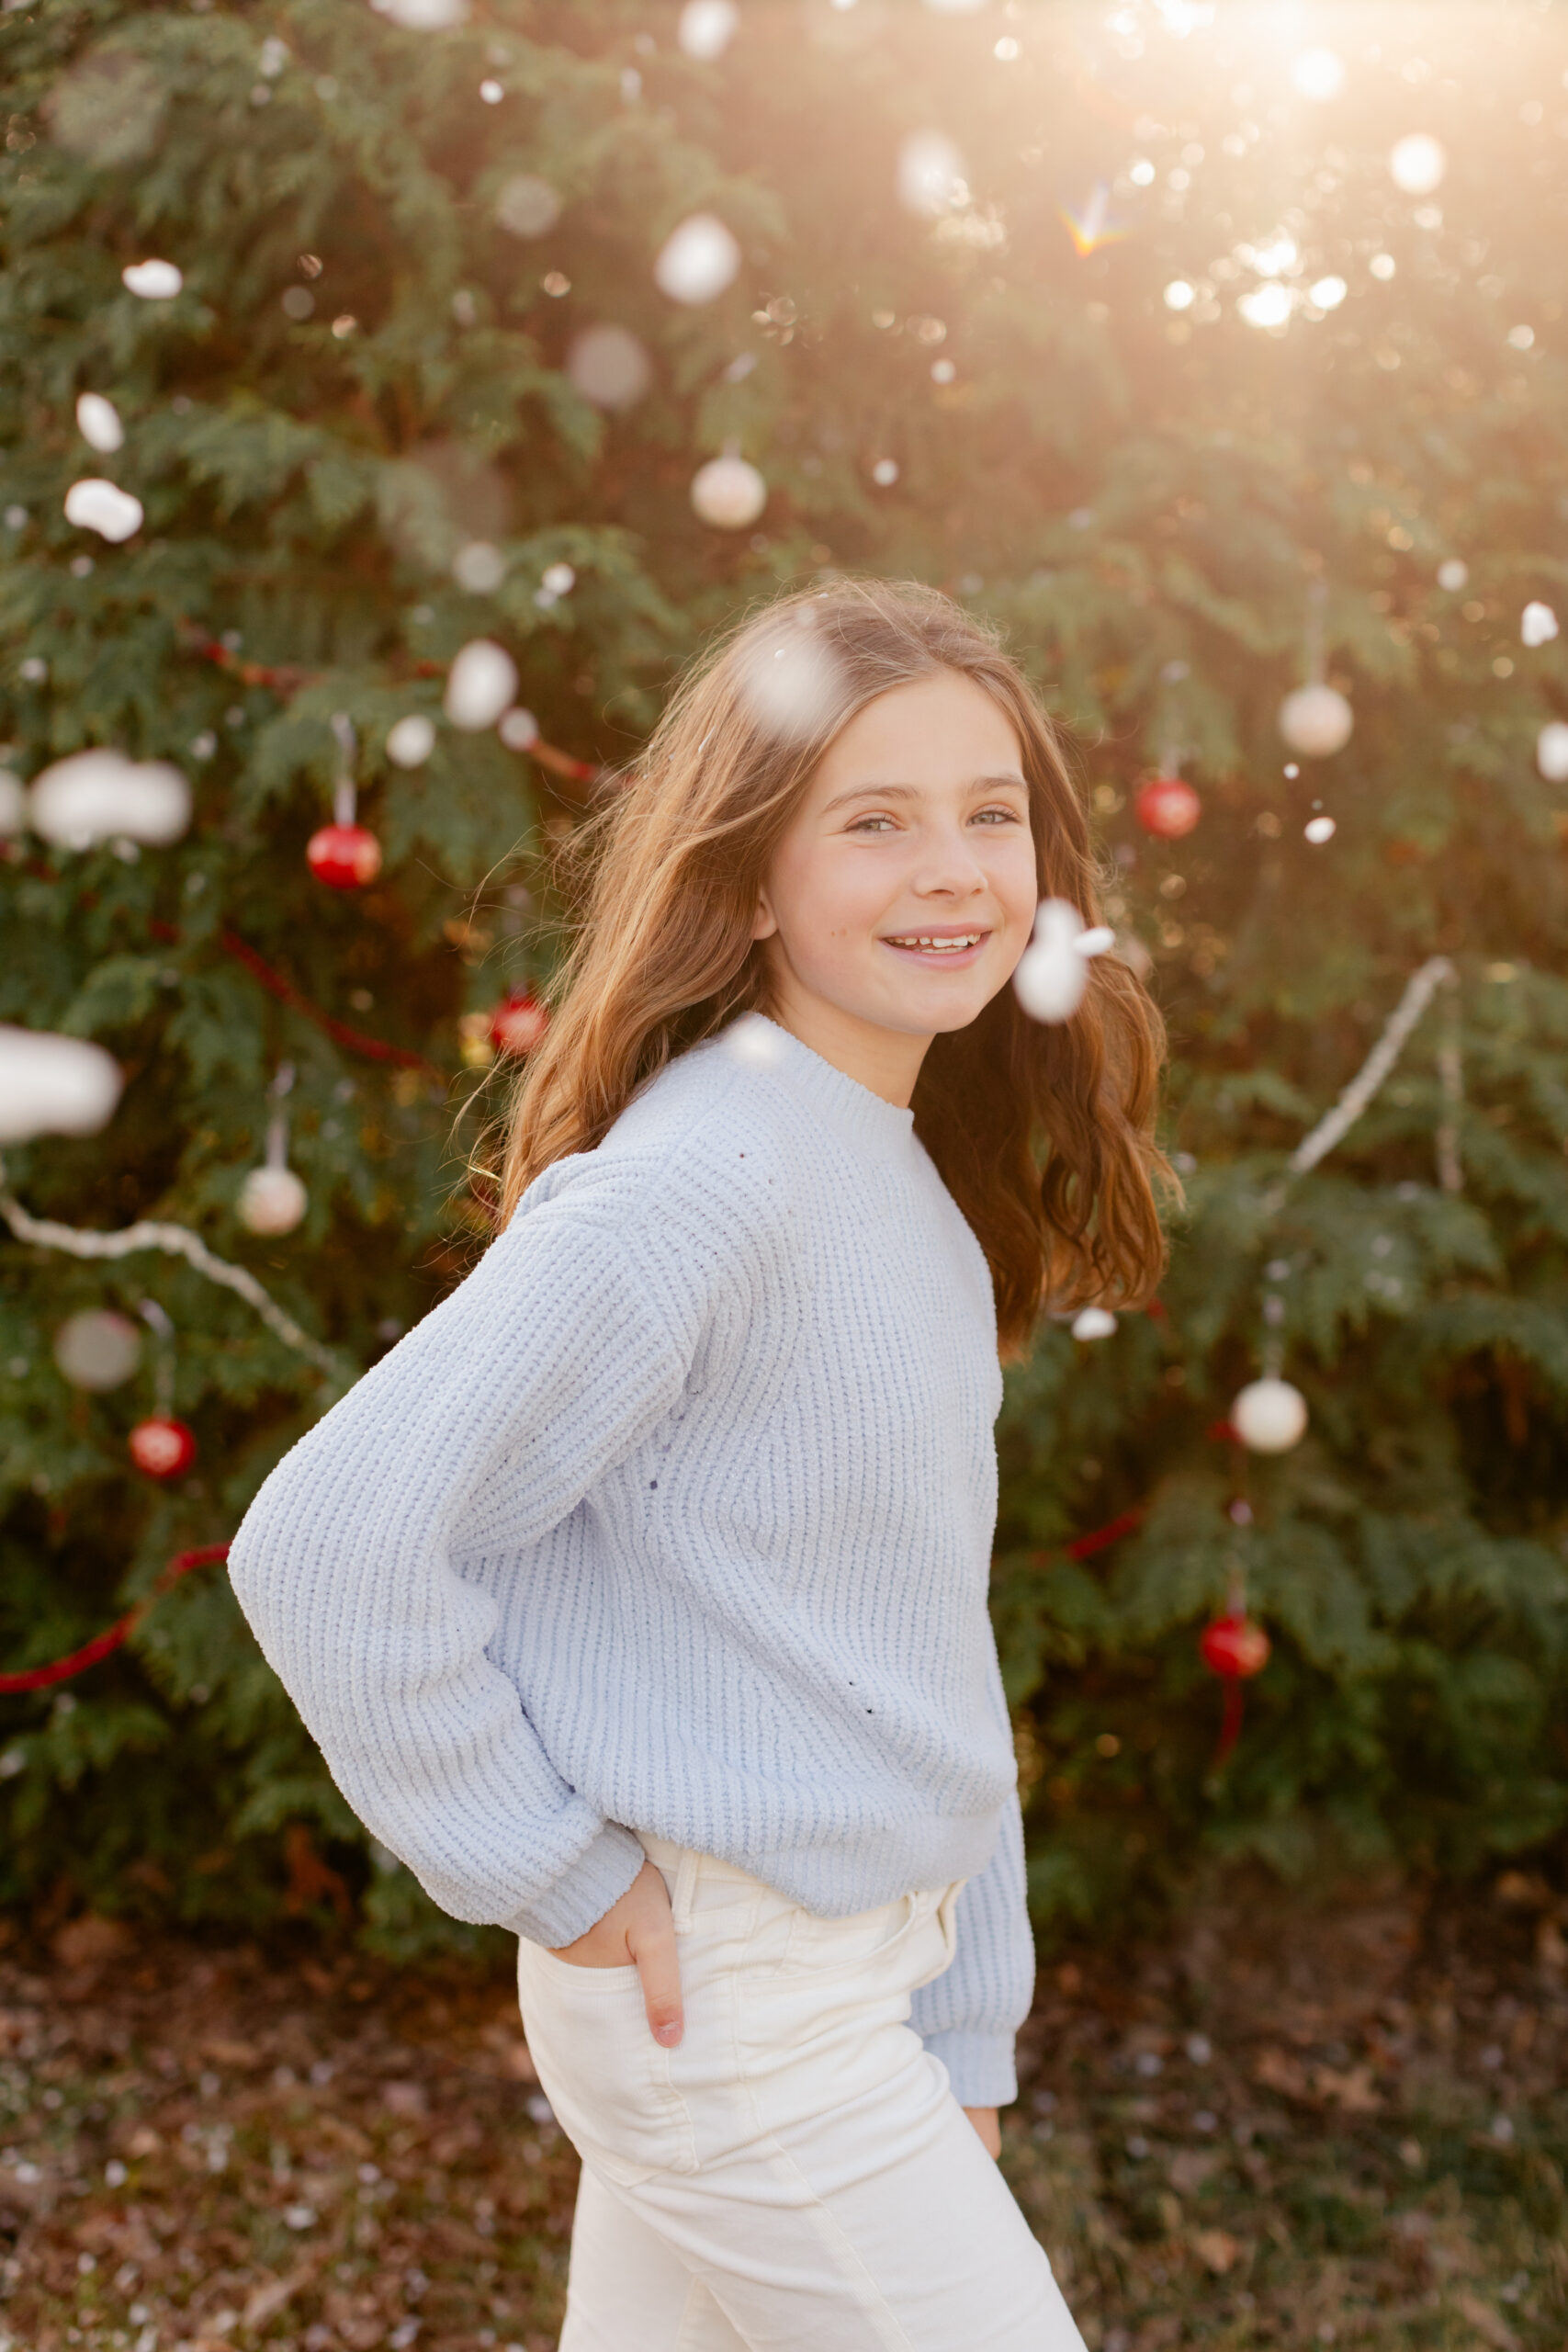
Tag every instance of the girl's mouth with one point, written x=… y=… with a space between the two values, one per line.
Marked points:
x=938 y=946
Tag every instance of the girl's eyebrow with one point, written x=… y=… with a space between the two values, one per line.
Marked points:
x=974 y=789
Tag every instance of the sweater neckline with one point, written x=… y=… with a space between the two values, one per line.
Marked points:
x=860 y=1117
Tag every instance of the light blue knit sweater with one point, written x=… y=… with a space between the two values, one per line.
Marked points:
x=677 y=1516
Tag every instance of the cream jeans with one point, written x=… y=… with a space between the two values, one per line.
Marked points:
x=798 y=2175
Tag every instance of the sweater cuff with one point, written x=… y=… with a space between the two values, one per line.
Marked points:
x=979 y=2067
x=570 y=1905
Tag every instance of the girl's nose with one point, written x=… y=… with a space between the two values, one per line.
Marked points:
x=951 y=869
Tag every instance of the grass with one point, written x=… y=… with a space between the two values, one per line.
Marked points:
x=1282 y=2127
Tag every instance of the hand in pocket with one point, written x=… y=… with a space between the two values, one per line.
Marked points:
x=639 y=1932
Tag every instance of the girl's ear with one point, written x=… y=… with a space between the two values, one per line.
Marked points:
x=764 y=922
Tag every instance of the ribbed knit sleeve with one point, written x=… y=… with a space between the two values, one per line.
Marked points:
x=969 y=2018
x=490 y=1422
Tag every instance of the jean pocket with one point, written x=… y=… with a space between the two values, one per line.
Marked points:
x=608 y=2079
x=818 y=1947
x=942 y=1941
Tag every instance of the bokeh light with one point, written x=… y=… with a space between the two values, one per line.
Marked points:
x=704 y=28
x=1318 y=73
x=931 y=178
x=1418 y=162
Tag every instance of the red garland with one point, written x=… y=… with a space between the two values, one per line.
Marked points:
x=286 y=678
x=353 y=1041
x=356 y=1042
x=39 y=1678
x=1084 y=1547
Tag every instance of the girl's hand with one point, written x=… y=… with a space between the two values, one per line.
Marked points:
x=638 y=1930
x=986 y=2124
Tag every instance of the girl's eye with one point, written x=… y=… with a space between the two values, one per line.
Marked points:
x=873 y=824
x=997 y=816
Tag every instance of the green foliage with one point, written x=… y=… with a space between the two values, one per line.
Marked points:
x=1140 y=495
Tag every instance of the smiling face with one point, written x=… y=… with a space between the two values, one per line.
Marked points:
x=903 y=891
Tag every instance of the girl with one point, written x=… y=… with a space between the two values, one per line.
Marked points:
x=637 y=1598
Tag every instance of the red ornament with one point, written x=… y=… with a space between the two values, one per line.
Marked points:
x=1168 y=806
x=163 y=1448
x=1234 y=1648
x=343 y=856
x=517 y=1025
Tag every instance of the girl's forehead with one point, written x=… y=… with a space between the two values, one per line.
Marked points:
x=933 y=728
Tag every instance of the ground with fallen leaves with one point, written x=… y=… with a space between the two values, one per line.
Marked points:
x=1287 y=2125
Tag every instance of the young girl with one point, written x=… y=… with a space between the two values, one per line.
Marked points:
x=637 y=1598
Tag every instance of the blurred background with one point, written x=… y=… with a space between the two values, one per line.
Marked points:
x=393 y=396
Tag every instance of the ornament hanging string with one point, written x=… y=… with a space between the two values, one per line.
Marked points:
x=175 y=1242
x=63 y=1669
x=1450 y=1074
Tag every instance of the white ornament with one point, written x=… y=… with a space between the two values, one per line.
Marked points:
x=527 y=206
x=1269 y=1416
x=101 y=795
x=53 y=1086
x=1551 y=750
x=609 y=367
x=557 y=579
x=1319 y=830
x=1317 y=720
x=1538 y=623
x=97 y=1349
x=1418 y=162
x=480 y=685
x=155 y=281
x=704 y=28
x=1093 y=1323
x=1453 y=573
x=519 y=729
x=272 y=1200
x=930 y=175
x=697 y=260
x=411 y=740
x=97 y=420
x=1053 y=971
x=728 y=493
x=104 y=507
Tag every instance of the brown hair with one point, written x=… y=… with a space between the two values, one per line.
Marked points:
x=1043 y=1136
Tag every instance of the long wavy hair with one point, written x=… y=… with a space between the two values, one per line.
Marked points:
x=1043 y=1136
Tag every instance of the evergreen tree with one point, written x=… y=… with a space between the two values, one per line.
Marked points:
x=1120 y=329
